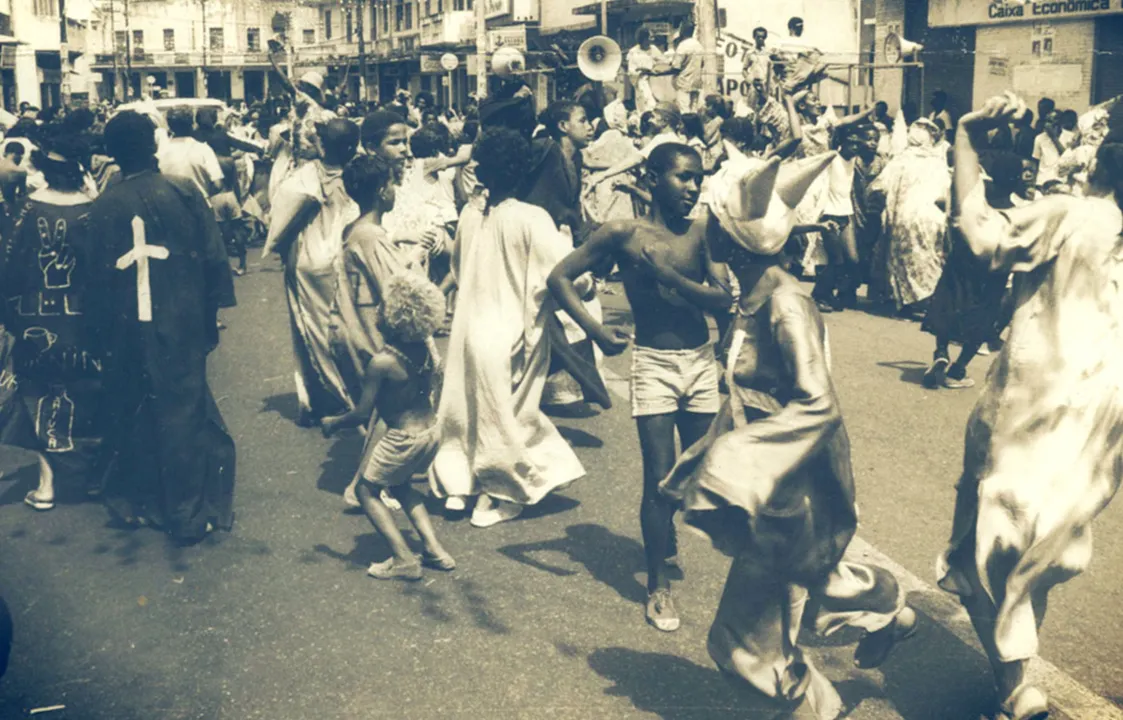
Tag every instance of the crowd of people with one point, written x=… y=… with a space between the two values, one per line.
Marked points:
x=500 y=228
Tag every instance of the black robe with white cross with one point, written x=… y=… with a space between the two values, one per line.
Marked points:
x=174 y=458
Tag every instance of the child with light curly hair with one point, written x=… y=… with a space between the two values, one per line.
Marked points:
x=398 y=386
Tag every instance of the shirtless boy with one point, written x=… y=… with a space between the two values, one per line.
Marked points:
x=671 y=283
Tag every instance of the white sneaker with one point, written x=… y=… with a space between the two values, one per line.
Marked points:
x=490 y=512
x=456 y=503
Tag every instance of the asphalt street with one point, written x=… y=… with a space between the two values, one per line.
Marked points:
x=543 y=617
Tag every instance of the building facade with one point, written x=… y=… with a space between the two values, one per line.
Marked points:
x=1066 y=50
x=43 y=52
x=200 y=48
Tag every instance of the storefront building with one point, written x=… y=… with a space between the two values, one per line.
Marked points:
x=1067 y=50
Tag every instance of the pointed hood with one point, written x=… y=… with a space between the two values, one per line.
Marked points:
x=900 y=137
x=750 y=196
x=743 y=200
x=796 y=178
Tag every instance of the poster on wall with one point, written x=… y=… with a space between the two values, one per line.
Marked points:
x=1048 y=80
x=998 y=66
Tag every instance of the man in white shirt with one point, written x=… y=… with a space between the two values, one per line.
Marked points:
x=940 y=113
x=641 y=62
x=184 y=156
x=1048 y=147
x=686 y=66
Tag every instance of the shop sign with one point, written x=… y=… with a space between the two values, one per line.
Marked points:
x=951 y=13
x=514 y=36
x=431 y=65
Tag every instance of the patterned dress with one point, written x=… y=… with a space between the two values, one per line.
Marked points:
x=913 y=242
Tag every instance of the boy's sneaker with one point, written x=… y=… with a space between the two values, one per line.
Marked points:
x=661 y=612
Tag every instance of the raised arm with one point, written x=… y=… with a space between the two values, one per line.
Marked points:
x=462 y=157
x=601 y=246
x=792 y=144
x=631 y=162
x=282 y=75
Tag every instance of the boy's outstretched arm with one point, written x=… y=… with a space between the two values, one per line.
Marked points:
x=363 y=412
x=600 y=247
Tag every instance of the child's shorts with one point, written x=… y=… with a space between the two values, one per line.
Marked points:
x=400 y=455
x=664 y=382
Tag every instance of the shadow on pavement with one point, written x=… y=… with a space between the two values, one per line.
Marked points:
x=912 y=372
x=675 y=688
x=286 y=405
x=341 y=463
x=611 y=559
x=579 y=438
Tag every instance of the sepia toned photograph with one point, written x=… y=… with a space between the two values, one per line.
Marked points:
x=561 y=359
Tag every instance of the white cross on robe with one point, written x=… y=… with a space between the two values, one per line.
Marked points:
x=139 y=255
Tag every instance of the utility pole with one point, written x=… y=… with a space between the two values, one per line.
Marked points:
x=63 y=56
x=128 y=54
x=481 y=50
x=707 y=31
x=113 y=45
x=604 y=17
x=206 y=42
x=362 y=53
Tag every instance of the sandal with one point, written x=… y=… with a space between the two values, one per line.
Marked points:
x=874 y=648
x=1025 y=703
x=444 y=563
x=388 y=570
x=32 y=500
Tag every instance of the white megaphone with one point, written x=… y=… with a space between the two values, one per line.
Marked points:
x=599 y=59
x=898 y=49
x=507 y=61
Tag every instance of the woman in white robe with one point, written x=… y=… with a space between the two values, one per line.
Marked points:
x=1042 y=453
x=311 y=211
x=495 y=442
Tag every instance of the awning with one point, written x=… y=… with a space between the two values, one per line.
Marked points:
x=5 y=39
x=582 y=26
x=635 y=9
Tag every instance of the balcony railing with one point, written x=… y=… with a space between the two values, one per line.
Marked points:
x=189 y=59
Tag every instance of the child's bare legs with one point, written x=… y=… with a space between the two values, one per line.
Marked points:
x=414 y=504
x=403 y=564
x=43 y=497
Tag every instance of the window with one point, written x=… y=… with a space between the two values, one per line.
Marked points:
x=459 y=5
x=253 y=39
x=399 y=15
x=327 y=24
x=385 y=25
x=138 y=43
x=373 y=21
x=120 y=40
x=348 y=25
x=309 y=36
x=218 y=39
x=409 y=15
x=46 y=8
x=169 y=39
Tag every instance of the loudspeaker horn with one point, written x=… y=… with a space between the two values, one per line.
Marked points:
x=507 y=61
x=599 y=59
x=898 y=49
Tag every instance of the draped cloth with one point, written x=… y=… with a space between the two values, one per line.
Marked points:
x=45 y=275
x=494 y=439
x=914 y=228
x=771 y=485
x=173 y=455
x=1042 y=456
x=312 y=276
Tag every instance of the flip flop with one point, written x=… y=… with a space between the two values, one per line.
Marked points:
x=33 y=501
x=387 y=570
x=873 y=649
x=444 y=563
